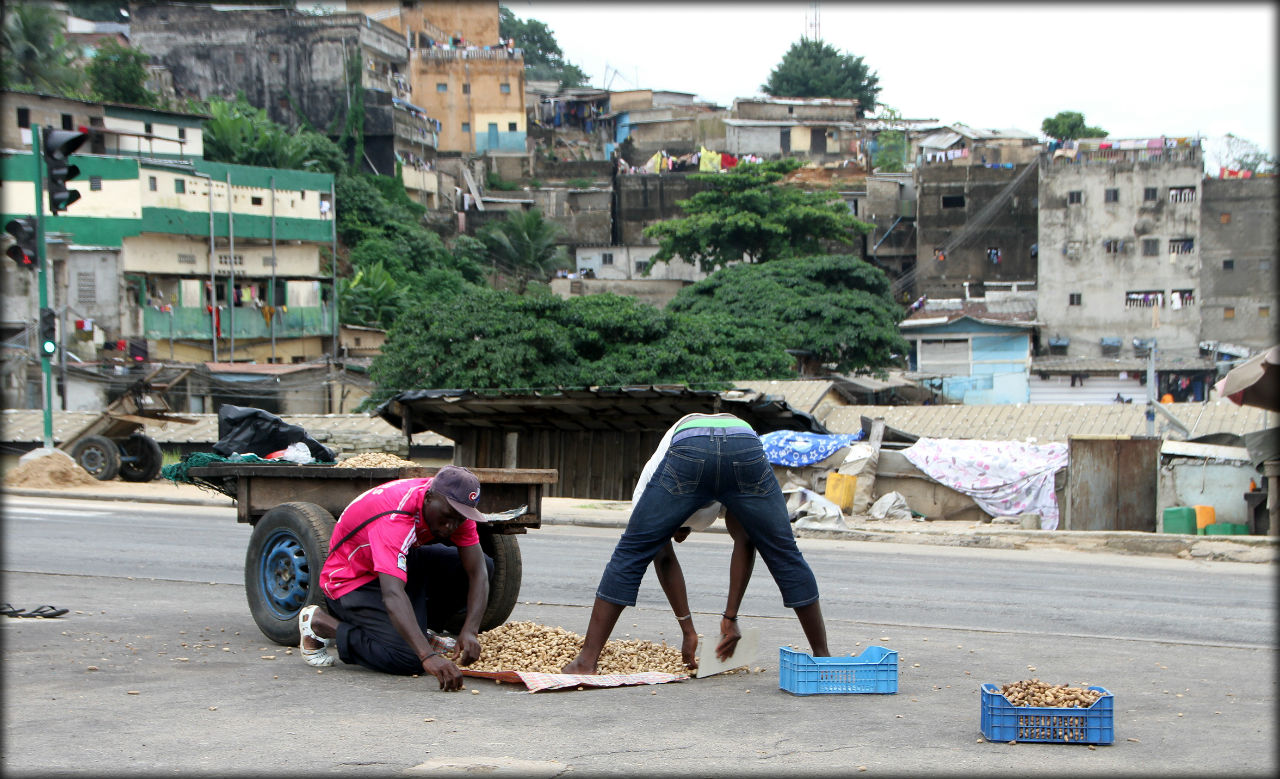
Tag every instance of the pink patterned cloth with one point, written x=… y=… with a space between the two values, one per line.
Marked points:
x=1005 y=478
x=540 y=681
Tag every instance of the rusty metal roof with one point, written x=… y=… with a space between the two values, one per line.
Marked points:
x=625 y=409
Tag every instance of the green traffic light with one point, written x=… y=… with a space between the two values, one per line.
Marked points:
x=49 y=347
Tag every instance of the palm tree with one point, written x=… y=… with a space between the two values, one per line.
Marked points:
x=371 y=297
x=36 y=55
x=524 y=244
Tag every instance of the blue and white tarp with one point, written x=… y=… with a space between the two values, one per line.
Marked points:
x=796 y=449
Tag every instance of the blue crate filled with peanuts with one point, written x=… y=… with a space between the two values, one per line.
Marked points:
x=1034 y=711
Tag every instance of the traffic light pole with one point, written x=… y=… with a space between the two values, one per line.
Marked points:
x=46 y=373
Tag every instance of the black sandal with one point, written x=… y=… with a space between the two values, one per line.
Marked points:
x=9 y=611
x=45 y=611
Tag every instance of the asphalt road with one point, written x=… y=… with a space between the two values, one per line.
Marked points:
x=184 y=683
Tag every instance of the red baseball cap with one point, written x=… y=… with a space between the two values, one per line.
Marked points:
x=461 y=488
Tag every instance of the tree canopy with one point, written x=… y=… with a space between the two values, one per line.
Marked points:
x=543 y=59
x=1068 y=126
x=837 y=307
x=118 y=74
x=1241 y=154
x=813 y=68
x=492 y=339
x=747 y=214
x=524 y=246
x=36 y=54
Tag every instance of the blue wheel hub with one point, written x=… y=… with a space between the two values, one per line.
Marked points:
x=284 y=574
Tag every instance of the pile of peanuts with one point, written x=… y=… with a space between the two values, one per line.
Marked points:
x=1033 y=692
x=528 y=646
x=376 y=460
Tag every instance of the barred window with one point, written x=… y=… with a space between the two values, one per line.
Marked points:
x=1150 y=247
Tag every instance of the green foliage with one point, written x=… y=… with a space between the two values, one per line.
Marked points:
x=489 y=339
x=371 y=297
x=748 y=214
x=97 y=10
x=237 y=132
x=578 y=183
x=543 y=59
x=812 y=68
x=524 y=246
x=495 y=182
x=118 y=74
x=891 y=156
x=351 y=141
x=1069 y=125
x=1240 y=154
x=838 y=307
x=36 y=54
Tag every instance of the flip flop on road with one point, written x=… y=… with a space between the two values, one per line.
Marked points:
x=8 y=610
x=44 y=611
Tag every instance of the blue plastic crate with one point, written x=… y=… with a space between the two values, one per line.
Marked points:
x=1002 y=721
x=873 y=671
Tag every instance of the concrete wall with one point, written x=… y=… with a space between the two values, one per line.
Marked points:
x=1238 y=262
x=647 y=199
x=841 y=111
x=655 y=292
x=630 y=262
x=1073 y=259
x=1013 y=230
x=1187 y=481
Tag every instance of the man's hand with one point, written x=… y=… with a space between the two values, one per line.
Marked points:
x=443 y=669
x=467 y=650
x=689 y=649
x=729 y=635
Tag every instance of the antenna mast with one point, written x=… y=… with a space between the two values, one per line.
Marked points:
x=813 y=22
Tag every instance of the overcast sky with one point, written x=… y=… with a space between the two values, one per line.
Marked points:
x=1135 y=70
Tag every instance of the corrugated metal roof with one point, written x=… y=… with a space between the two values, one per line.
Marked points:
x=27 y=426
x=626 y=409
x=939 y=140
x=1011 y=311
x=802 y=395
x=1047 y=422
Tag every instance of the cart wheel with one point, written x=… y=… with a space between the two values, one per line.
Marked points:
x=99 y=456
x=504 y=584
x=282 y=567
x=142 y=458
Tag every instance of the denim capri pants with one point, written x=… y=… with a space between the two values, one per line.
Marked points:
x=704 y=465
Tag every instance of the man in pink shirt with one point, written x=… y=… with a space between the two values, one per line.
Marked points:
x=405 y=557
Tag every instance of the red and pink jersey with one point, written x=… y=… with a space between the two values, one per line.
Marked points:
x=383 y=545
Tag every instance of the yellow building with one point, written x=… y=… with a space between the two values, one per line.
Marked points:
x=460 y=71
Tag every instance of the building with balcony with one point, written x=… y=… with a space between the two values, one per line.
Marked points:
x=327 y=71
x=1119 y=255
x=189 y=262
x=459 y=70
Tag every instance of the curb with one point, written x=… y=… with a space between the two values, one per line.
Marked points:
x=1244 y=549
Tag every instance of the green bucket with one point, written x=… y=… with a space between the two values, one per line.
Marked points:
x=1180 y=519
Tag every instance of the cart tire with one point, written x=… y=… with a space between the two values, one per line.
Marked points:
x=148 y=458
x=98 y=455
x=504 y=584
x=282 y=567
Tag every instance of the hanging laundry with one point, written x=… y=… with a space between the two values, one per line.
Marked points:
x=654 y=165
x=727 y=160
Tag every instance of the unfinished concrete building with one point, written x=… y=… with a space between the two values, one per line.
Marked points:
x=1119 y=249
x=298 y=67
x=1238 y=265
x=974 y=225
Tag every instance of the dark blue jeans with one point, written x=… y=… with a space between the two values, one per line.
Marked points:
x=697 y=470
x=437 y=588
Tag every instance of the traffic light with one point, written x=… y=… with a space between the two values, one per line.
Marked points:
x=48 y=332
x=59 y=145
x=24 y=249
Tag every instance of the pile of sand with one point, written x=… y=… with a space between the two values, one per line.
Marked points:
x=52 y=470
x=376 y=460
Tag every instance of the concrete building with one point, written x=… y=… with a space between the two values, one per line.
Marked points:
x=974 y=224
x=303 y=69
x=459 y=71
x=141 y=272
x=960 y=144
x=809 y=128
x=1238 y=254
x=116 y=129
x=1119 y=256
x=976 y=352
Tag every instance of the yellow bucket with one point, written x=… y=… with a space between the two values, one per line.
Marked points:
x=840 y=489
x=1204 y=518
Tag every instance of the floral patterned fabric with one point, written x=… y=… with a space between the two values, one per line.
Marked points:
x=790 y=447
x=1005 y=478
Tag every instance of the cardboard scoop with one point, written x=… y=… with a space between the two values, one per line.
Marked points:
x=743 y=654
